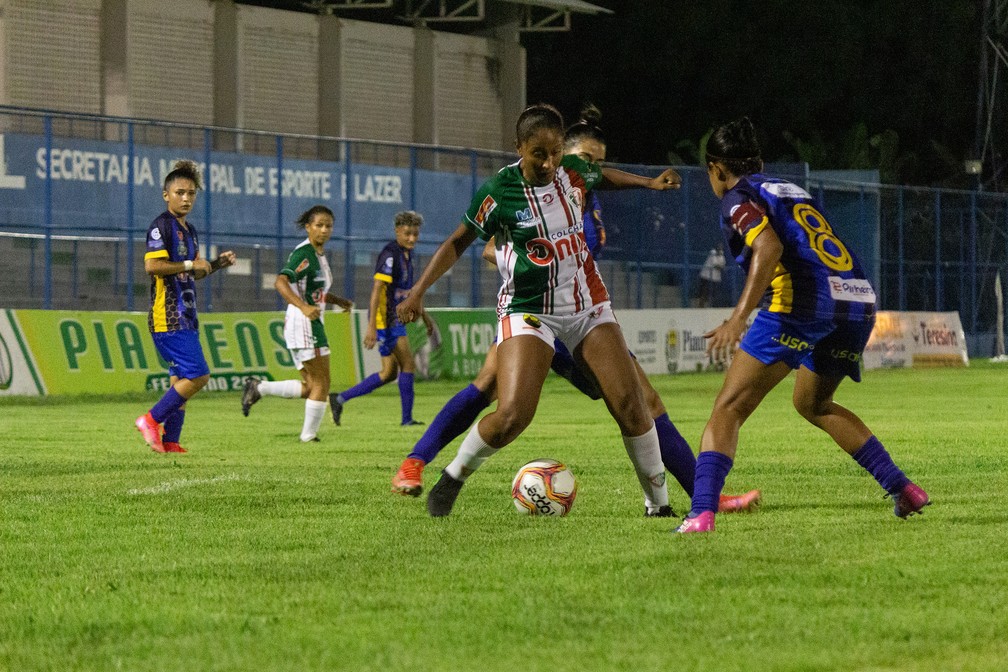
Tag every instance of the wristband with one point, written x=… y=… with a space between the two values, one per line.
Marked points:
x=187 y=264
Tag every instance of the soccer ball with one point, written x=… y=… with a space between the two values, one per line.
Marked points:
x=544 y=487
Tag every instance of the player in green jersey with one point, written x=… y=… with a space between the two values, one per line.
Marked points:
x=551 y=289
x=304 y=283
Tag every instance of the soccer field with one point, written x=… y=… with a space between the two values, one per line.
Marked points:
x=255 y=552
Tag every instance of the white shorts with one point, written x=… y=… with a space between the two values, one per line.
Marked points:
x=302 y=355
x=571 y=329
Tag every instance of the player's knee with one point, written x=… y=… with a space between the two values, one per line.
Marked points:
x=630 y=414
x=512 y=421
x=810 y=409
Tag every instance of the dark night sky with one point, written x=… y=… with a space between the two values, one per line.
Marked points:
x=664 y=72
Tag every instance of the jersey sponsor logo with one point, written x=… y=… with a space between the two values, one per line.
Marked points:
x=543 y=252
x=746 y=215
x=548 y=199
x=540 y=251
x=786 y=190
x=854 y=289
x=155 y=234
x=302 y=266
x=525 y=219
x=486 y=207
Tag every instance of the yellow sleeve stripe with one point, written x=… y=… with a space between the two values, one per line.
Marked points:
x=157 y=254
x=751 y=234
x=383 y=277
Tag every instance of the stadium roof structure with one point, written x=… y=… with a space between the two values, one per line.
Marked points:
x=534 y=15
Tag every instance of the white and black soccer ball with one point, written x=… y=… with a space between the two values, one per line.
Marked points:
x=544 y=487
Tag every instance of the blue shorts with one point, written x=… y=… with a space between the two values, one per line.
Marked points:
x=826 y=347
x=387 y=338
x=183 y=352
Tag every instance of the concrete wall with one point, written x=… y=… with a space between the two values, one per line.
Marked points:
x=212 y=62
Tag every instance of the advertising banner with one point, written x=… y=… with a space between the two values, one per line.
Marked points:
x=76 y=352
x=455 y=350
x=913 y=339
x=670 y=341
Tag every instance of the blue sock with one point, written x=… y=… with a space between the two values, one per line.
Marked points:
x=406 y=396
x=676 y=454
x=173 y=426
x=456 y=417
x=166 y=405
x=369 y=384
x=876 y=461
x=711 y=470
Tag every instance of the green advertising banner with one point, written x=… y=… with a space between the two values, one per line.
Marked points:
x=465 y=336
x=455 y=350
x=76 y=352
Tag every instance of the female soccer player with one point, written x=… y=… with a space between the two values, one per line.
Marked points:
x=586 y=140
x=173 y=262
x=393 y=279
x=816 y=313
x=304 y=283
x=552 y=289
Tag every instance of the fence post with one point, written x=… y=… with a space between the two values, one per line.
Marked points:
x=207 y=217
x=130 y=213
x=348 y=284
x=937 y=255
x=474 y=256
x=687 y=274
x=900 y=271
x=47 y=296
x=279 y=214
x=412 y=177
x=973 y=261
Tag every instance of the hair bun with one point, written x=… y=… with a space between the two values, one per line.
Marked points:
x=591 y=115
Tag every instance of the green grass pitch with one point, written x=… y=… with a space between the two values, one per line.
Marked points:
x=255 y=552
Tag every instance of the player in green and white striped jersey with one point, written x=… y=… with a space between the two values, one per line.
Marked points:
x=551 y=289
x=304 y=283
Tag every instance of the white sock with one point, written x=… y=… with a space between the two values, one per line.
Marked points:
x=288 y=389
x=473 y=452
x=314 y=411
x=646 y=457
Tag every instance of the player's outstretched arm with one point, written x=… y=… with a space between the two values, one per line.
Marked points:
x=444 y=258
x=613 y=178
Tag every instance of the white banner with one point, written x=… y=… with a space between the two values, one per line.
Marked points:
x=670 y=341
x=916 y=340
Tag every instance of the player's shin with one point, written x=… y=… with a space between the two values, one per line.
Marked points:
x=314 y=412
x=473 y=452
x=646 y=458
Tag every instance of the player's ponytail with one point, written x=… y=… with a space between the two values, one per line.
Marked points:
x=587 y=126
x=735 y=145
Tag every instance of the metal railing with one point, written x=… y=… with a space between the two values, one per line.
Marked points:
x=77 y=193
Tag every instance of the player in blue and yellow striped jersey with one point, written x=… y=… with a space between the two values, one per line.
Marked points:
x=393 y=279
x=817 y=310
x=174 y=264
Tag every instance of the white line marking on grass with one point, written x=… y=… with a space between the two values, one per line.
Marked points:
x=180 y=483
